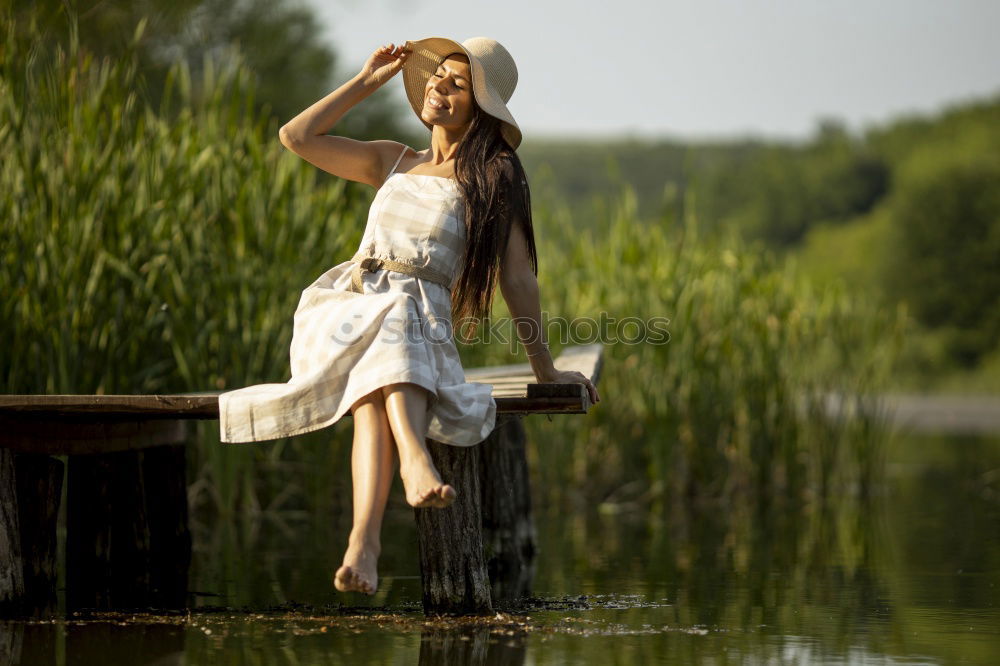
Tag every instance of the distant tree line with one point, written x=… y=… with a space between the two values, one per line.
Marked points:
x=776 y=192
x=938 y=181
x=936 y=178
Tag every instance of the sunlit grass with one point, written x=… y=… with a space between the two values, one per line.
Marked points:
x=734 y=402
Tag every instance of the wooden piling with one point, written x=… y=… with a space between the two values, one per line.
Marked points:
x=452 y=567
x=165 y=483
x=39 y=492
x=127 y=539
x=107 y=538
x=11 y=569
x=481 y=550
x=508 y=525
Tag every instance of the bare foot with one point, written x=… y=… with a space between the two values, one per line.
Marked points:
x=445 y=496
x=424 y=488
x=359 y=572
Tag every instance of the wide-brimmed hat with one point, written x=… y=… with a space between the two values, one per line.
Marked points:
x=494 y=76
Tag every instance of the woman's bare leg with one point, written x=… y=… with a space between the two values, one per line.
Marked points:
x=406 y=407
x=373 y=458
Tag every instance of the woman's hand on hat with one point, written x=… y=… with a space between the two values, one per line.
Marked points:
x=384 y=64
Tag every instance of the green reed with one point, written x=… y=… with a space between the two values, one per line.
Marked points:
x=734 y=403
x=163 y=249
x=151 y=250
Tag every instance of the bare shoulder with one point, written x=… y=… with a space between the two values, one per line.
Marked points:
x=389 y=152
x=408 y=158
x=390 y=155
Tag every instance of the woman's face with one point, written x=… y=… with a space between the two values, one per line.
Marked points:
x=448 y=99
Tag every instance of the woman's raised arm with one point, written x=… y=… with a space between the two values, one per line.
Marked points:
x=361 y=161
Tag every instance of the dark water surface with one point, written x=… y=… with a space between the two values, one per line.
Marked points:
x=911 y=575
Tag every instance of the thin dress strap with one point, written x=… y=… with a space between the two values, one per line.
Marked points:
x=398 y=160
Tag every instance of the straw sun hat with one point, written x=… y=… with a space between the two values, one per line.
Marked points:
x=494 y=76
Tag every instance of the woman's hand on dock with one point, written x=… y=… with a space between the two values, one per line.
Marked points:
x=572 y=377
x=384 y=64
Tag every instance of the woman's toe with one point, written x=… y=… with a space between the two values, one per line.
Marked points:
x=341 y=579
x=445 y=496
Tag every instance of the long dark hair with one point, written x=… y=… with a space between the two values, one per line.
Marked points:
x=495 y=194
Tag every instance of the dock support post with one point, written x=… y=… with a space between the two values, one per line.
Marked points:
x=128 y=543
x=30 y=492
x=11 y=568
x=107 y=539
x=165 y=481
x=481 y=549
x=452 y=567
x=508 y=526
x=39 y=492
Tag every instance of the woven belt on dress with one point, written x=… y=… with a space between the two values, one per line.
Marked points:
x=368 y=263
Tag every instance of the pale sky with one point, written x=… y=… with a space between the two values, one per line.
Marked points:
x=703 y=68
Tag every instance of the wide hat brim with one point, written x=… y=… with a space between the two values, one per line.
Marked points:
x=425 y=57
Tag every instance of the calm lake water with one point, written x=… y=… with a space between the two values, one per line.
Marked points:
x=909 y=576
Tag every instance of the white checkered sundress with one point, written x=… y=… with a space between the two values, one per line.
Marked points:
x=345 y=344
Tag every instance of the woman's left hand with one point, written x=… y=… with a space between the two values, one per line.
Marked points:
x=573 y=377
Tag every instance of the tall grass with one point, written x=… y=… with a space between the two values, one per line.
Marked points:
x=736 y=402
x=163 y=249
x=141 y=247
x=151 y=250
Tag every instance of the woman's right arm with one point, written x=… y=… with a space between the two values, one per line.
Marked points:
x=361 y=161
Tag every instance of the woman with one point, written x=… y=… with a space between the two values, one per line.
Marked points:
x=447 y=224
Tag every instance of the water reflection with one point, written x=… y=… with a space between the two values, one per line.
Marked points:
x=477 y=647
x=909 y=575
x=151 y=644
x=72 y=643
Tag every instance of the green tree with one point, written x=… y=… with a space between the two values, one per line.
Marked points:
x=776 y=192
x=945 y=247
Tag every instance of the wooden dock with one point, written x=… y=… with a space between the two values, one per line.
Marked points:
x=128 y=543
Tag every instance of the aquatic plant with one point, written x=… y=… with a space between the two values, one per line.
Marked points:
x=154 y=250
x=767 y=386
